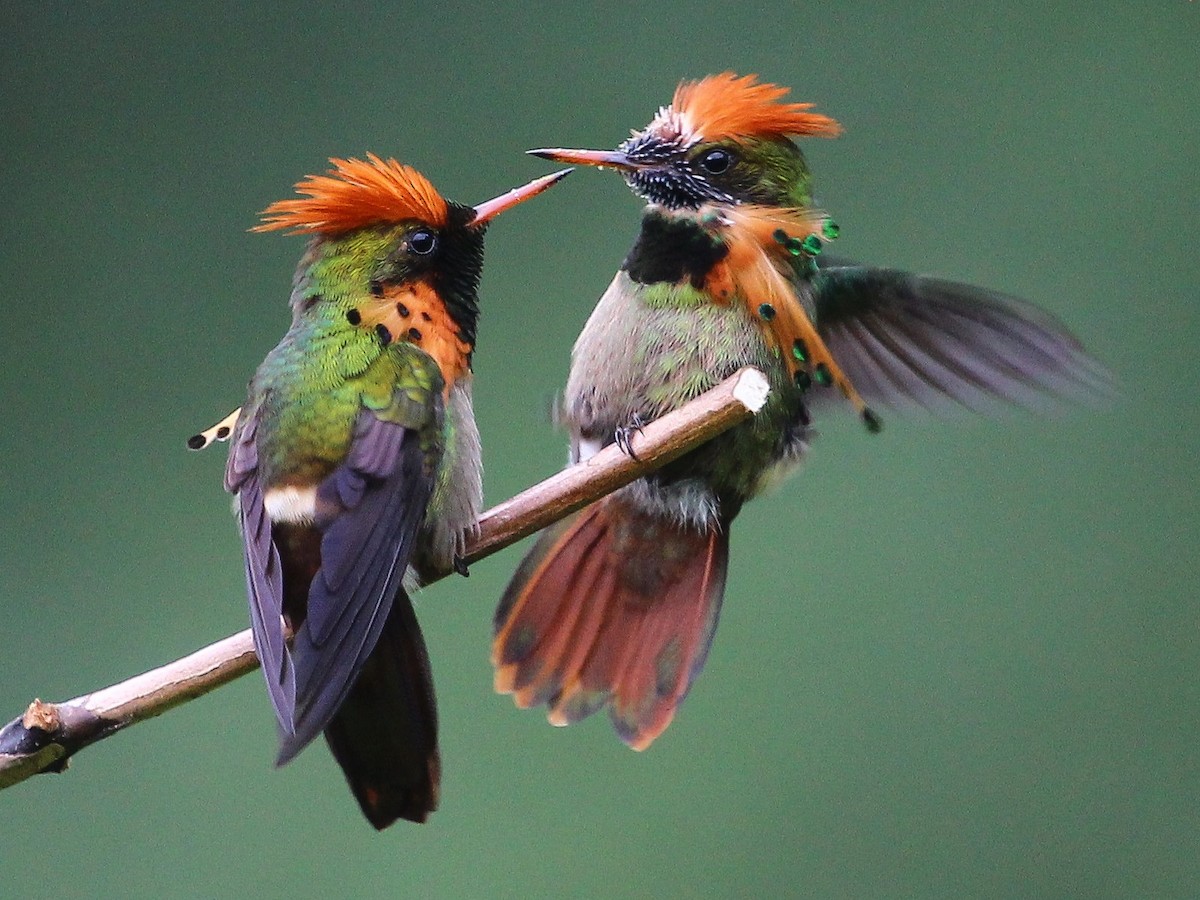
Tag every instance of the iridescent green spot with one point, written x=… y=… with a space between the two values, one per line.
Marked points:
x=822 y=376
x=767 y=311
x=799 y=353
x=873 y=422
x=793 y=245
x=811 y=245
x=830 y=230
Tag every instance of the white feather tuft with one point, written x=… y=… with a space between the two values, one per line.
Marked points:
x=291 y=504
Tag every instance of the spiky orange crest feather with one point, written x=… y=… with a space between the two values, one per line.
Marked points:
x=725 y=105
x=355 y=194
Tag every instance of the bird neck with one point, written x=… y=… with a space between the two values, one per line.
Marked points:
x=417 y=313
x=756 y=256
x=675 y=246
x=338 y=300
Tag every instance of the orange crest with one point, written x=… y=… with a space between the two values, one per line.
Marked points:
x=725 y=105
x=356 y=194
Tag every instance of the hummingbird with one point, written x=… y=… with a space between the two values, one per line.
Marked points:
x=356 y=457
x=617 y=605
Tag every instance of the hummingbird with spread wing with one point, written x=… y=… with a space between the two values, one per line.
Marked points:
x=356 y=456
x=616 y=606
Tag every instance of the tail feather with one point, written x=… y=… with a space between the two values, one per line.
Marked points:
x=614 y=606
x=585 y=642
x=668 y=654
x=559 y=626
x=515 y=645
x=384 y=735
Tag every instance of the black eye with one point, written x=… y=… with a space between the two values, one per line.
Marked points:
x=422 y=242
x=714 y=162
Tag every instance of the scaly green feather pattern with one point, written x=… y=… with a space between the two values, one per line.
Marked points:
x=311 y=387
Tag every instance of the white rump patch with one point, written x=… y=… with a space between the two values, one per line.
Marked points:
x=291 y=504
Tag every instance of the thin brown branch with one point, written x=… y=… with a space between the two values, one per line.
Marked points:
x=48 y=734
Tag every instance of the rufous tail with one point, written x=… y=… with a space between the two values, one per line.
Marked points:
x=384 y=735
x=613 y=606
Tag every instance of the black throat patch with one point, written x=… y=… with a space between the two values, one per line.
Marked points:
x=673 y=249
x=460 y=263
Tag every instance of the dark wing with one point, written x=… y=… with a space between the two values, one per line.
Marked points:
x=909 y=341
x=371 y=509
x=264 y=576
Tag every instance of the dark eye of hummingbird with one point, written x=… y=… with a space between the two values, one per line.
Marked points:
x=716 y=162
x=422 y=242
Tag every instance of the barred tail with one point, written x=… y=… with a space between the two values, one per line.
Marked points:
x=613 y=606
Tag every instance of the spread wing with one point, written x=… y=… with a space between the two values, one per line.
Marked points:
x=909 y=341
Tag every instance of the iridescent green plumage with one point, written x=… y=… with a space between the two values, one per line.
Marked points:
x=355 y=456
x=310 y=388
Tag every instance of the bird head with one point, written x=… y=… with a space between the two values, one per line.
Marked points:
x=389 y=245
x=723 y=140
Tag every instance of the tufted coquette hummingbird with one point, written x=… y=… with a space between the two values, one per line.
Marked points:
x=356 y=456
x=616 y=606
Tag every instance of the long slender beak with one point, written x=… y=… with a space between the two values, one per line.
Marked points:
x=488 y=210
x=612 y=159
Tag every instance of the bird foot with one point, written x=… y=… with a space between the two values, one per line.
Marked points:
x=624 y=436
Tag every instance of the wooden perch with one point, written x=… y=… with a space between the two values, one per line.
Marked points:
x=48 y=734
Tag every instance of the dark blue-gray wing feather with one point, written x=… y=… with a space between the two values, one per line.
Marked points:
x=264 y=575
x=371 y=509
x=909 y=341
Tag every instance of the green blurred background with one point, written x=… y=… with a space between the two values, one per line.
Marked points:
x=956 y=659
